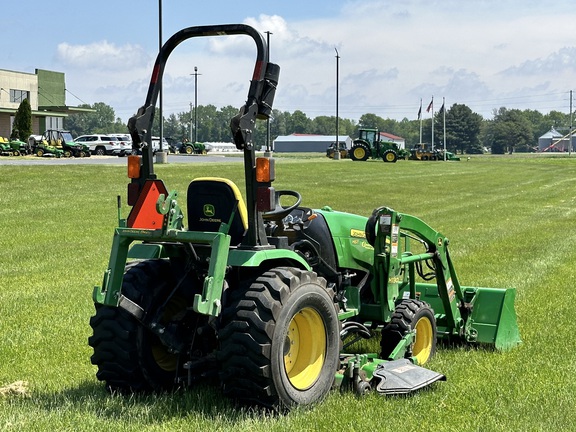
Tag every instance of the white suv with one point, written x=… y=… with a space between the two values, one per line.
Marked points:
x=156 y=145
x=101 y=145
x=125 y=142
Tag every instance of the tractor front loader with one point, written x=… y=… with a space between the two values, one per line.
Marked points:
x=268 y=298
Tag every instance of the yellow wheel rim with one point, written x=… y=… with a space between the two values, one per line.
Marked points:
x=305 y=348
x=390 y=157
x=422 y=349
x=164 y=359
x=359 y=153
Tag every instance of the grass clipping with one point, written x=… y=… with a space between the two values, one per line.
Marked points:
x=18 y=388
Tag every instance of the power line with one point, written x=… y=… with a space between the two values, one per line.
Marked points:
x=76 y=97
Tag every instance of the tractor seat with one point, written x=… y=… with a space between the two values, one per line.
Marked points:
x=211 y=202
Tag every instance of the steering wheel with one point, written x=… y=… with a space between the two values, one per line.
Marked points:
x=280 y=212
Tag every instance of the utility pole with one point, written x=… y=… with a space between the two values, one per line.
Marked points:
x=267 y=153
x=570 y=141
x=160 y=156
x=337 y=148
x=194 y=137
x=191 y=136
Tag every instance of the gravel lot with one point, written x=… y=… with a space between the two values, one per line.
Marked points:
x=111 y=160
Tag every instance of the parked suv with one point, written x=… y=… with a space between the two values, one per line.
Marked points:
x=156 y=145
x=125 y=142
x=101 y=144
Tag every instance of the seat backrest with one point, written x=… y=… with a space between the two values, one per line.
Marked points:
x=211 y=201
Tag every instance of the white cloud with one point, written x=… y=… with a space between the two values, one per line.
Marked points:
x=563 y=60
x=102 y=55
x=392 y=54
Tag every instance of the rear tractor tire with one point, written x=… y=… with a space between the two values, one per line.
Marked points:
x=411 y=315
x=280 y=340
x=130 y=358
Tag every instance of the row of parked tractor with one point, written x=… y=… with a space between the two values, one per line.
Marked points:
x=370 y=145
x=60 y=143
x=53 y=142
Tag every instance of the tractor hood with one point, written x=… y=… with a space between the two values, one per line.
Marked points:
x=349 y=237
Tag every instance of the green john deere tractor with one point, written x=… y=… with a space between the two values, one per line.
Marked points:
x=62 y=140
x=193 y=148
x=424 y=152
x=13 y=147
x=266 y=299
x=369 y=144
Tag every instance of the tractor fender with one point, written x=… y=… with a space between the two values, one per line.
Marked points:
x=255 y=258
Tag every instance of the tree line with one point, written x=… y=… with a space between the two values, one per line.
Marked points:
x=510 y=130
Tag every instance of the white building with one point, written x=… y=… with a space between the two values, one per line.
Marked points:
x=401 y=142
x=307 y=143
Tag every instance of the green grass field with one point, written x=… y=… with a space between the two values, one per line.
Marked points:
x=511 y=221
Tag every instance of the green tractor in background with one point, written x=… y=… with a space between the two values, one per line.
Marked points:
x=193 y=148
x=267 y=297
x=13 y=147
x=424 y=152
x=58 y=143
x=331 y=149
x=369 y=144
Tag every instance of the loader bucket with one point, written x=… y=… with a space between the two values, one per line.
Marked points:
x=494 y=318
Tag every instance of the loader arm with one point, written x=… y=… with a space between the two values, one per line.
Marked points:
x=474 y=314
x=396 y=264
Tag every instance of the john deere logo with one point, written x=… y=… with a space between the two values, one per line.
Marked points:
x=209 y=210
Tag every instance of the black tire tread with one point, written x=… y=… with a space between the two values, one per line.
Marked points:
x=400 y=324
x=248 y=323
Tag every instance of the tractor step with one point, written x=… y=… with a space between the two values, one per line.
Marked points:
x=402 y=377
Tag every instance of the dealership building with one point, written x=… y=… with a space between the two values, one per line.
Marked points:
x=46 y=93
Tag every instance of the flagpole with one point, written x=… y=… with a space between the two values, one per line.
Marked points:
x=432 y=105
x=420 y=118
x=444 y=121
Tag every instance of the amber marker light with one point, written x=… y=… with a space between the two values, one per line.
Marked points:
x=133 y=166
x=264 y=170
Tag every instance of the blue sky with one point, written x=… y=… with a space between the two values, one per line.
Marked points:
x=485 y=54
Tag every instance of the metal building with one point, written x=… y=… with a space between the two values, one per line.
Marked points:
x=307 y=143
x=554 y=141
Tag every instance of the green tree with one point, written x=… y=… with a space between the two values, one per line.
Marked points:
x=299 y=123
x=279 y=123
x=462 y=129
x=102 y=120
x=370 y=120
x=225 y=114
x=409 y=130
x=508 y=131
x=325 y=125
x=173 y=127
x=539 y=125
x=22 y=127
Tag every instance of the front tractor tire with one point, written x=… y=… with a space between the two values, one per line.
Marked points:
x=411 y=315
x=130 y=358
x=390 y=156
x=359 y=152
x=280 y=340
